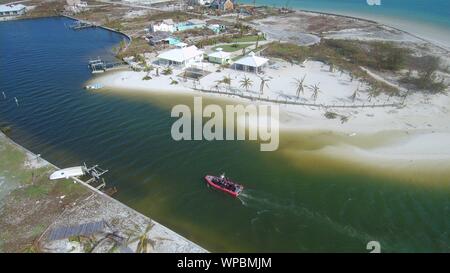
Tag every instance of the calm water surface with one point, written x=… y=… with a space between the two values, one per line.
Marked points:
x=284 y=208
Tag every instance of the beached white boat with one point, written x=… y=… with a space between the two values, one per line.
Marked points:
x=94 y=86
x=94 y=171
x=67 y=173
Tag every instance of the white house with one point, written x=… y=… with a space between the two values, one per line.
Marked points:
x=12 y=10
x=165 y=25
x=251 y=63
x=219 y=57
x=182 y=56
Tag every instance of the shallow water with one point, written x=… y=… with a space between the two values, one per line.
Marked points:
x=325 y=206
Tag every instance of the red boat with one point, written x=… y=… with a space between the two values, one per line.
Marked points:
x=224 y=184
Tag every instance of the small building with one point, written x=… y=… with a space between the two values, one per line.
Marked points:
x=182 y=56
x=225 y=5
x=219 y=57
x=12 y=10
x=166 y=25
x=251 y=63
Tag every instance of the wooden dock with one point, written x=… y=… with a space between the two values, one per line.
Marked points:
x=100 y=66
x=82 y=25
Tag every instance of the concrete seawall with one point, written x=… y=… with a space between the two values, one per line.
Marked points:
x=98 y=206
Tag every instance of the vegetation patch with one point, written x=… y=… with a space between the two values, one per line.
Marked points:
x=137 y=47
x=331 y=115
x=348 y=56
x=422 y=74
x=233 y=47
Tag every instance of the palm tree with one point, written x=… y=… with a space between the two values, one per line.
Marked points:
x=218 y=83
x=300 y=85
x=257 y=42
x=355 y=94
x=168 y=71
x=142 y=238
x=405 y=95
x=373 y=92
x=227 y=80
x=263 y=83
x=147 y=69
x=246 y=83
x=315 y=88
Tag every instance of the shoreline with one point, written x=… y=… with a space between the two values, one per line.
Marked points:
x=177 y=241
x=129 y=38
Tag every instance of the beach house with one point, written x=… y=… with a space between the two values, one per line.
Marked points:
x=219 y=57
x=167 y=25
x=181 y=57
x=225 y=5
x=251 y=63
x=12 y=10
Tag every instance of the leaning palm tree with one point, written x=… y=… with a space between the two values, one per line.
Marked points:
x=315 y=88
x=246 y=83
x=299 y=83
x=263 y=83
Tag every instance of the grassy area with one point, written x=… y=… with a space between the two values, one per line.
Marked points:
x=235 y=38
x=233 y=47
x=137 y=46
x=30 y=202
x=175 y=15
x=425 y=76
x=247 y=39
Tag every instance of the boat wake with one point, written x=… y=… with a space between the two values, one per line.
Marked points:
x=267 y=205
